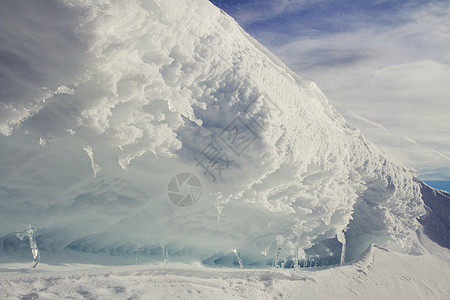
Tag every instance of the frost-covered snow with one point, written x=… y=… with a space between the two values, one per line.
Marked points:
x=106 y=106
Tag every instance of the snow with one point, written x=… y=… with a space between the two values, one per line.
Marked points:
x=104 y=103
x=377 y=274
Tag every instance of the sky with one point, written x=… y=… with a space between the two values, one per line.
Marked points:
x=385 y=66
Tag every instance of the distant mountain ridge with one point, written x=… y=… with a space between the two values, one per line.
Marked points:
x=439 y=184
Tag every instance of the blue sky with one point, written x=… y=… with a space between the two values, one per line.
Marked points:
x=385 y=65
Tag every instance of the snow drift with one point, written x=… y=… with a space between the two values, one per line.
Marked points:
x=102 y=103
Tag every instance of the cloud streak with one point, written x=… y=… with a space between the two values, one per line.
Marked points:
x=369 y=122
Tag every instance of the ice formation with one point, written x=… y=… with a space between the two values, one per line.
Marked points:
x=239 y=258
x=30 y=234
x=160 y=88
x=95 y=168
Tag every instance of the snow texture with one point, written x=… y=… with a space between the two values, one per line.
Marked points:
x=153 y=89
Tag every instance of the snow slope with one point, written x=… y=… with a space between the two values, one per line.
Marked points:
x=103 y=103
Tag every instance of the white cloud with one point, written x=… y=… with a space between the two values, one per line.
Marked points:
x=391 y=81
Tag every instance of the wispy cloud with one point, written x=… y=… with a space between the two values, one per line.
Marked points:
x=442 y=155
x=367 y=121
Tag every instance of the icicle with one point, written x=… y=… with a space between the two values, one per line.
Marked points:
x=165 y=253
x=219 y=212
x=33 y=245
x=238 y=256
x=166 y=260
x=341 y=239
x=221 y=199
x=280 y=242
x=296 y=266
x=137 y=252
x=275 y=260
x=95 y=168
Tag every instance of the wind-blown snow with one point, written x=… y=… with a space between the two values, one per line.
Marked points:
x=150 y=88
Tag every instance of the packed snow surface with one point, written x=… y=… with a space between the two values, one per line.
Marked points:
x=159 y=129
